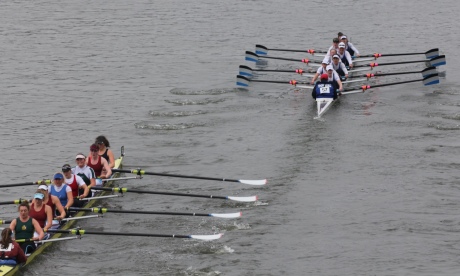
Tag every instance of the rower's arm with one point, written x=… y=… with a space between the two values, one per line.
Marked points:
x=69 y=200
x=49 y=217
x=107 y=168
x=59 y=207
x=111 y=158
x=86 y=192
x=38 y=229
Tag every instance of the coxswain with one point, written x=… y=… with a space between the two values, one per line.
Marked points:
x=98 y=163
x=349 y=46
x=324 y=88
x=84 y=171
x=61 y=191
x=24 y=227
x=41 y=212
x=344 y=55
x=104 y=150
x=339 y=67
x=11 y=252
x=53 y=202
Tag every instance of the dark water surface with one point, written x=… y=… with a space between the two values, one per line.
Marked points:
x=371 y=190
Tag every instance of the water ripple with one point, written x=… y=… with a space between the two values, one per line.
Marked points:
x=177 y=113
x=195 y=102
x=179 y=126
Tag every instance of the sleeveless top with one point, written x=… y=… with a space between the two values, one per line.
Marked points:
x=39 y=215
x=62 y=194
x=51 y=204
x=24 y=230
x=343 y=58
x=74 y=186
x=106 y=155
x=96 y=167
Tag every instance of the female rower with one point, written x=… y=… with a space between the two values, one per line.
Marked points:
x=84 y=171
x=98 y=163
x=345 y=55
x=75 y=182
x=349 y=46
x=11 y=252
x=40 y=211
x=334 y=78
x=24 y=227
x=53 y=202
x=339 y=67
x=61 y=191
x=321 y=70
x=104 y=150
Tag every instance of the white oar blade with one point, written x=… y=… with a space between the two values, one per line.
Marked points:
x=207 y=237
x=243 y=198
x=250 y=56
x=434 y=79
x=230 y=215
x=245 y=71
x=242 y=81
x=432 y=53
x=261 y=50
x=429 y=71
x=437 y=61
x=254 y=182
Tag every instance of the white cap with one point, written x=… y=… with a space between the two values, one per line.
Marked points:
x=341 y=45
x=325 y=61
x=80 y=155
x=43 y=187
x=343 y=37
x=335 y=56
x=329 y=67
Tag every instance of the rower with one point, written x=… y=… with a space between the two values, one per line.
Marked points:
x=349 y=46
x=324 y=88
x=339 y=67
x=334 y=77
x=61 y=191
x=345 y=55
x=53 y=202
x=335 y=44
x=24 y=227
x=104 y=150
x=40 y=211
x=321 y=70
x=84 y=171
x=98 y=163
x=10 y=251
x=76 y=183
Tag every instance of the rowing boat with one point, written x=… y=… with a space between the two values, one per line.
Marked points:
x=12 y=270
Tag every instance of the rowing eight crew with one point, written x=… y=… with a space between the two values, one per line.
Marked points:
x=51 y=202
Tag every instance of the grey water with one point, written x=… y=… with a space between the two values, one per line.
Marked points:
x=372 y=189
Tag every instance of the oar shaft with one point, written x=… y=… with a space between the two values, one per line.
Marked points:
x=47 y=181
x=16 y=201
x=82 y=232
x=123 y=190
x=105 y=210
x=142 y=172
x=393 y=83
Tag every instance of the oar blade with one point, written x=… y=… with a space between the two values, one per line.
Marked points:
x=229 y=215
x=433 y=79
x=207 y=237
x=429 y=71
x=432 y=53
x=254 y=182
x=261 y=50
x=242 y=81
x=250 y=56
x=243 y=198
x=245 y=71
x=437 y=61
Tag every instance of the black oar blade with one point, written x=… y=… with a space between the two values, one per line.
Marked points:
x=432 y=53
x=437 y=61
x=432 y=79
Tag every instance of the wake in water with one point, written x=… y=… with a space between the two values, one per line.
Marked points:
x=179 y=126
x=195 y=102
x=176 y=113
x=216 y=91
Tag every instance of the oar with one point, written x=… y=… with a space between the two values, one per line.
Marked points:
x=105 y=210
x=243 y=81
x=428 y=54
x=82 y=232
x=429 y=80
x=248 y=72
x=126 y=190
x=50 y=240
x=250 y=56
x=142 y=172
x=5 y=221
x=434 y=62
x=262 y=50
x=40 y=182
x=15 y=201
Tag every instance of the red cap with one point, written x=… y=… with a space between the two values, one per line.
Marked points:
x=324 y=76
x=94 y=147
